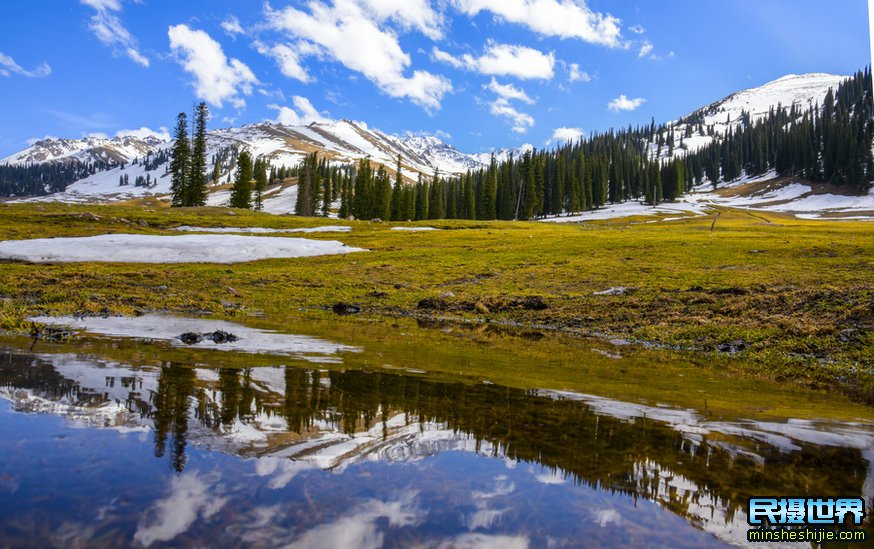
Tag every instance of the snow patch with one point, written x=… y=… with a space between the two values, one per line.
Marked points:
x=169 y=328
x=264 y=230
x=138 y=248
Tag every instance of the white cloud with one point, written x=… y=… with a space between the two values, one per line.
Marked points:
x=302 y=114
x=145 y=132
x=478 y=540
x=217 y=79
x=645 y=49
x=509 y=91
x=108 y=28
x=8 y=66
x=622 y=103
x=281 y=470
x=287 y=59
x=576 y=75
x=637 y=29
x=504 y=60
x=232 y=26
x=410 y=14
x=360 y=527
x=561 y=18
x=563 y=135
x=439 y=55
x=502 y=107
x=189 y=498
x=351 y=32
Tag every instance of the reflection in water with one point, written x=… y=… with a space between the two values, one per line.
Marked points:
x=170 y=411
x=293 y=419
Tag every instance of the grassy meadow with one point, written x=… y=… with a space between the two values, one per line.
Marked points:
x=763 y=294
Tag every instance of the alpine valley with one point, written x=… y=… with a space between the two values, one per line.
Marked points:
x=135 y=165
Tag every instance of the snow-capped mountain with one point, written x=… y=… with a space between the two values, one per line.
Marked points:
x=713 y=121
x=89 y=149
x=346 y=141
x=340 y=141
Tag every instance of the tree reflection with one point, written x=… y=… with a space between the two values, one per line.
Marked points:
x=171 y=410
x=618 y=453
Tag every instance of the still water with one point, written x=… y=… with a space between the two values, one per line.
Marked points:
x=398 y=436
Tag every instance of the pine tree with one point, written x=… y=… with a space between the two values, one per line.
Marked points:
x=436 y=204
x=180 y=157
x=260 y=182
x=397 y=193
x=382 y=206
x=421 y=199
x=327 y=194
x=469 y=211
x=241 y=194
x=362 y=200
x=306 y=186
x=196 y=192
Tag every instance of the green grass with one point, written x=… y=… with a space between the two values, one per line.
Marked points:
x=800 y=294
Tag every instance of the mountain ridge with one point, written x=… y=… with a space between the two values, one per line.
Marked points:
x=347 y=141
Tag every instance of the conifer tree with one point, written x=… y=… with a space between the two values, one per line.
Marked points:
x=421 y=199
x=361 y=201
x=241 y=194
x=180 y=157
x=436 y=204
x=195 y=194
x=469 y=211
x=260 y=182
x=327 y=194
x=397 y=194
x=382 y=189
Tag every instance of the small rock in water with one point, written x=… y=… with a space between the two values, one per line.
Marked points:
x=51 y=334
x=221 y=336
x=615 y=290
x=345 y=309
x=733 y=346
x=190 y=338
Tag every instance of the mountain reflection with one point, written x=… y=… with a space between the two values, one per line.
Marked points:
x=296 y=413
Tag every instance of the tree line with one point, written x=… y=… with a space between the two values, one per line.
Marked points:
x=830 y=143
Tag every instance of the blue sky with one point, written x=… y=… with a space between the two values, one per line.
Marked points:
x=481 y=74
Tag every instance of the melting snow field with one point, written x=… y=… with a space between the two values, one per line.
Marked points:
x=628 y=209
x=264 y=230
x=169 y=328
x=103 y=186
x=280 y=202
x=795 y=198
x=136 y=248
